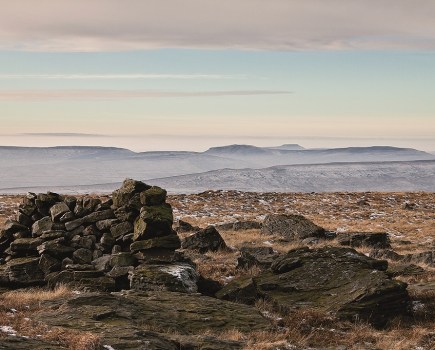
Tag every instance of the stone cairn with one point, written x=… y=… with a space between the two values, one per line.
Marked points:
x=121 y=243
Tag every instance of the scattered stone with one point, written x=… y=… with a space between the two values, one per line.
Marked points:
x=291 y=227
x=256 y=256
x=405 y=270
x=153 y=196
x=102 y=263
x=184 y=226
x=129 y=188
x=204 y=240
x=170 y=242
x=26 y=245
x=122 y=259
x=55 y=249
x=338 y=280
x=21 y=272
x=121 y=229
x=82 y=256
x=90 y=280
x=104 y=225
x=119 y=318
x=173 y=277
x=240 y=226
x=378 y=240
x=242 y=289
x=49 y=264
x=58 y=210
x=99 y=216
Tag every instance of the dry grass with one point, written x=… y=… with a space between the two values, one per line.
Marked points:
x=410 y=231
x=17 y=307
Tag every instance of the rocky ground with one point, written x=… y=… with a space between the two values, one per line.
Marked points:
x=267 y=299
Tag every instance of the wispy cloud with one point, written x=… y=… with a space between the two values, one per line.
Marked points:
x=103 y=25
x=41 y=95
x=62 y=134
x=118 y=76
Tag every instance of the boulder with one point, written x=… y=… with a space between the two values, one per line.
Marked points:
x=48 y=264
x=184 y=226
x=122 y=259
x=242 y=290
x=128 y=189
x=99 y=216
x=104 y=225
x=68 y=216
x=107 y=242
x=291 y=227
x=405 y=270
x=126 y=213
x=170 y=242
x=22 y=272
x=82 y=256
x=50 y=235
x=90 y=280
x=153 y=196
x=204 y=240
x=58 y=210
x=121 y=319
x=240 y=225
x=170 y=277
x=41 y=226
x=25 y=220
x=123 y=228
x=256 y=256
x=153 y=221
x=72 y=225
x=44 y=201
x=55 y=249
x=26 y=246
x=337 y=280
x=102 y=263
x=11 y=227
x=379 y=240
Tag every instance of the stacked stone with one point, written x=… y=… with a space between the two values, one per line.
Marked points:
x=88 y=242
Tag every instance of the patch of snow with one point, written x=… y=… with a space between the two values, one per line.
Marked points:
x=8 y=330
x=271 y=316
x=417 y=306
x=267 y=242
x=108 y=347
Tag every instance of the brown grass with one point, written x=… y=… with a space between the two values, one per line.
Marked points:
x=410 y=231
x=17 y=307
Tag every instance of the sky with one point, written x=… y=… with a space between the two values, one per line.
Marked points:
x=191 y=74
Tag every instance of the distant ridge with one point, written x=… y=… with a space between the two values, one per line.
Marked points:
x=288 y=147
x=239 y=149
x=64 y=166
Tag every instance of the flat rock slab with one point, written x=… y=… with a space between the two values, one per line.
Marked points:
x=291 y=227
x=124 y=319
x=336 y=280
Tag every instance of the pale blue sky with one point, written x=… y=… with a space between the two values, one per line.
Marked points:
x=368 y=82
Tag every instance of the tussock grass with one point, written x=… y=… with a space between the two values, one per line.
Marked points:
x=17 y=307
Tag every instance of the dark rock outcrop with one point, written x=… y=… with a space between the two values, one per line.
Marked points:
x=291 y=227
x=256 y=256
x=378 y=240
x=177 y=318
x=337 y=280
x=97 y=244
x=204 y=240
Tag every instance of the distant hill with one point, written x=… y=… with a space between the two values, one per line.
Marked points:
x=28 y=167
x=288 y=147
x=384 y=176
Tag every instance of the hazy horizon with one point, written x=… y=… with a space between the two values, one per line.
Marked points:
x=152 y=78
x=144 y=143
